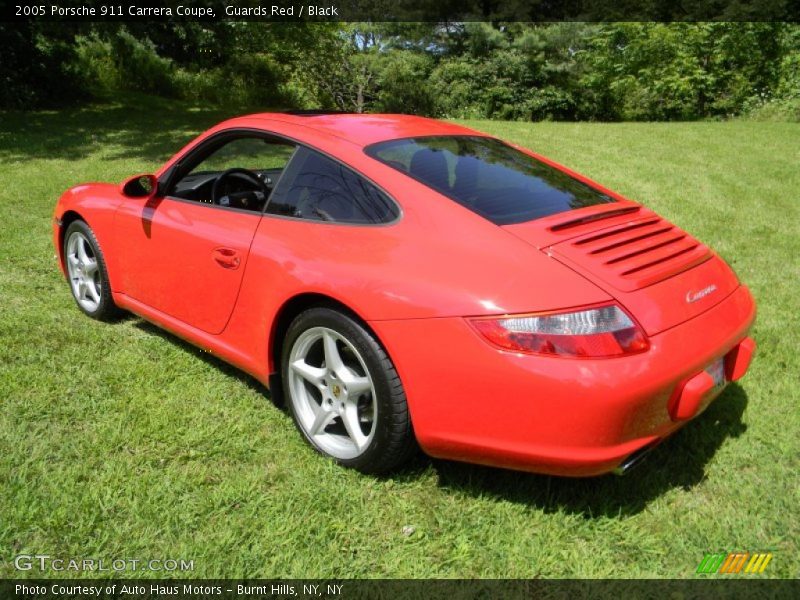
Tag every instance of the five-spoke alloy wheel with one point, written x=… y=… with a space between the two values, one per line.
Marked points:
x=332 y=392
x=344 y=393
x=86 y=272
x=84 y=276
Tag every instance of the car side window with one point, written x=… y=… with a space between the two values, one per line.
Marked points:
x=318 y=188
x=239 y=172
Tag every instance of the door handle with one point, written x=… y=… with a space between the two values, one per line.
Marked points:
x=227 y=258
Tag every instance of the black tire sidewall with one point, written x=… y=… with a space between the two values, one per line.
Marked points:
x=378 y=455
x=106 y=309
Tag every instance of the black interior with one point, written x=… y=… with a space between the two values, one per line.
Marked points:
x=235 y=191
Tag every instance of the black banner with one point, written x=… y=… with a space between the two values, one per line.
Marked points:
x=732 y=587
x=405 y=10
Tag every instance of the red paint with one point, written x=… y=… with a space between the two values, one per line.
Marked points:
x=218 y=278
x=737 y=361
x=687 y=402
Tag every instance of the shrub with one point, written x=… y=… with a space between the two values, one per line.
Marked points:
x=456 y=90
x=140 y=67
x=122 y=63
x=33 y=68
x=781 y=109
x=94 y=66
x=403 y=83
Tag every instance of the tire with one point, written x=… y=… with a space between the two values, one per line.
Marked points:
x=86 y=273
x=331 y=400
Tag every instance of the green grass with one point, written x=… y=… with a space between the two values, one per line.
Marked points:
x=122 y=441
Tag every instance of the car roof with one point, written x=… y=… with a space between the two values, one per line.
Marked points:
x=366 y=129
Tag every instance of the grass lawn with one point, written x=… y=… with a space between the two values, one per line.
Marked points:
x=120 y=441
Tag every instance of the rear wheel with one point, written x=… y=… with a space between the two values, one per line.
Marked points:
x=86 y=273
x=344 y=393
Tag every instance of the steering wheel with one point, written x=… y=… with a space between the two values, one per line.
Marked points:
x=239 y=199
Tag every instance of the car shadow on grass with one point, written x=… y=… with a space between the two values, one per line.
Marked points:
x=679 y=462
x=226 y=368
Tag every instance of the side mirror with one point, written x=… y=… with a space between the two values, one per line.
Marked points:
x=140 y=186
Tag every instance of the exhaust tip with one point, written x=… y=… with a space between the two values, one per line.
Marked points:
x=634 y=460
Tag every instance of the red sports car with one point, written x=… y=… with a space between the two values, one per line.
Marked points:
x=401 y=281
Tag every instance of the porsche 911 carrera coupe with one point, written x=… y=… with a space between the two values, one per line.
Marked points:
x=401 y=282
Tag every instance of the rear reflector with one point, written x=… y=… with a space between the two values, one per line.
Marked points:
x=689 y=400
x=693 y=395
x=737 y=361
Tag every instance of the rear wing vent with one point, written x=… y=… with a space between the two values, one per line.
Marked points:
x=608 y=214
x=635 y=255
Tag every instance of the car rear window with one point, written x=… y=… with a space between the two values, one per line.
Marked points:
x=488 y=176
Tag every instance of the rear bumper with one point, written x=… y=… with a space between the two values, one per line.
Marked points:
x=579 y=417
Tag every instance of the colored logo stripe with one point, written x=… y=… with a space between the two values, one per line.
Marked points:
x=758 y=563
x=738 y=562
x=710 y=563
x=734 y=563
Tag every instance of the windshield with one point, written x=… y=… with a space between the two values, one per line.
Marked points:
x=487 y=176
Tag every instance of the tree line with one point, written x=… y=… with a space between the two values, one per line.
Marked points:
x=516 y=71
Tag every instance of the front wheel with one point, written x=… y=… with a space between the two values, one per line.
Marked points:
x=344 y=393
x=87 y=274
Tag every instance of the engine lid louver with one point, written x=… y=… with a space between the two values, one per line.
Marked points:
x=594 y=217
x=633 y=254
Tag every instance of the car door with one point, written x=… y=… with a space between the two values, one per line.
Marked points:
x=184 y=253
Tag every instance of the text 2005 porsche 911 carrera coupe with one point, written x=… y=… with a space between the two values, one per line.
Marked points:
x=402 y=281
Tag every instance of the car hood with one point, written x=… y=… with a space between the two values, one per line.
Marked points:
x=660 y=273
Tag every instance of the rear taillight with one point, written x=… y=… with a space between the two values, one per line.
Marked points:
x=597 y=332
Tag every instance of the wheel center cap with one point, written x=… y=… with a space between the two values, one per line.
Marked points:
x=336 y=390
